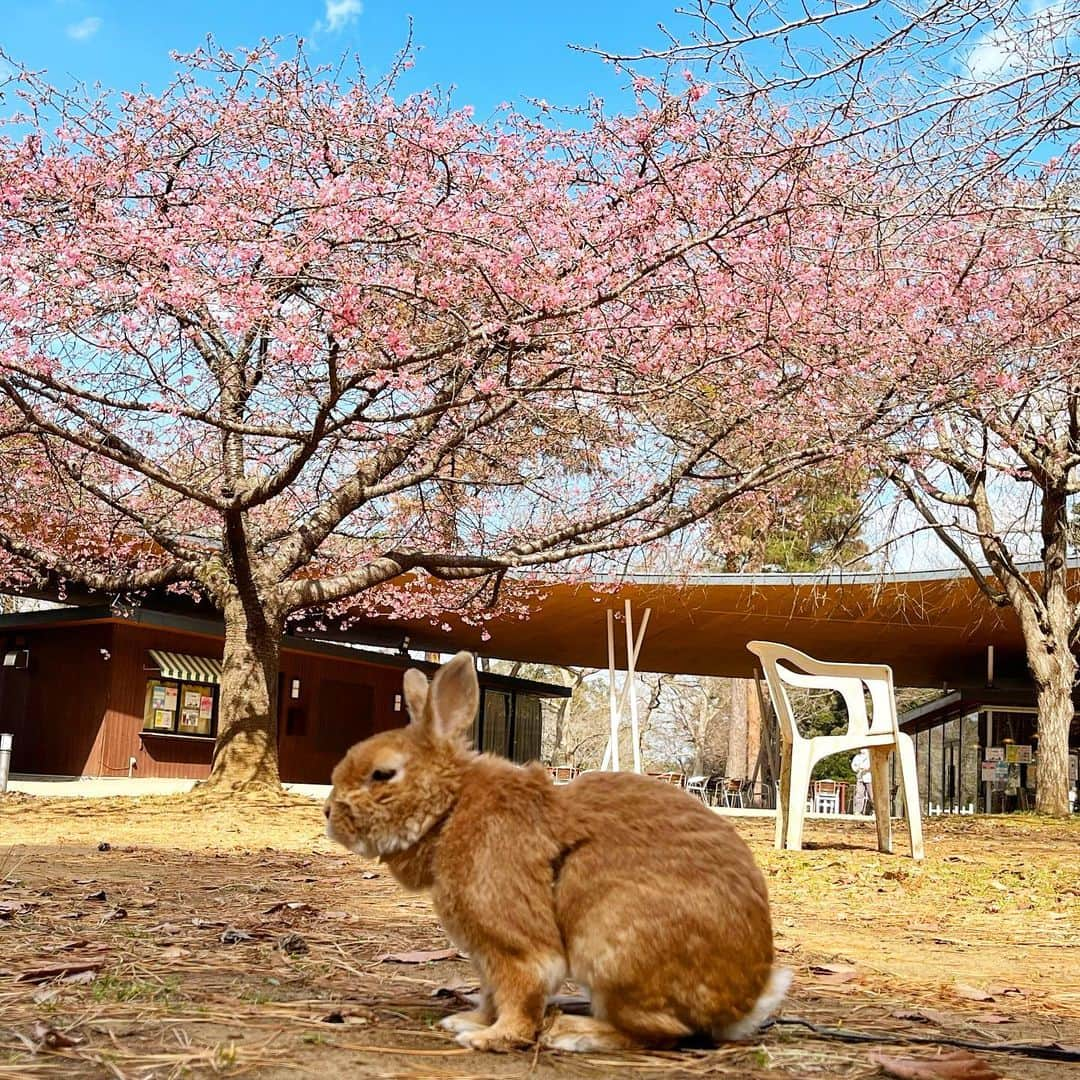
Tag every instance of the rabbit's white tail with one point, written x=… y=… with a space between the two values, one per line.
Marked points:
x=771 y=996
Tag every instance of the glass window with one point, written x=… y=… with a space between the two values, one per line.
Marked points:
x=494 y=730
x=527 y=727
x=174 y=707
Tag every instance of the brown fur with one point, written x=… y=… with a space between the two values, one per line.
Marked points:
x=625 y=885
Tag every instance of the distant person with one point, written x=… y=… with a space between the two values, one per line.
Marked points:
x=860 y=765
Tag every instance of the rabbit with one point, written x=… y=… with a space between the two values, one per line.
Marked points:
x=631 y=888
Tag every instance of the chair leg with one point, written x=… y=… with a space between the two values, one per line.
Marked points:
x=783 y=798
x=801 y=766
x=879 y=779
x=909 y=778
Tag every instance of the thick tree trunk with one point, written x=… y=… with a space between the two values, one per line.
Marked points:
x=246 y=752
x=1054 y=670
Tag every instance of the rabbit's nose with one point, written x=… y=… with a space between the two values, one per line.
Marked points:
x=326 y=809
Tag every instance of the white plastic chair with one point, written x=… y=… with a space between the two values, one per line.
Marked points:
x=826 y=797
x=699 y=786
x=880 y=734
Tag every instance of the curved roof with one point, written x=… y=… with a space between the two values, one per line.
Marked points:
x=932 y=627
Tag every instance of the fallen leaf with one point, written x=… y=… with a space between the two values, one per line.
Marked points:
x=420 y=956
x=54 y=971
x=957 y=1065
x=922 y=1016
x=833 y=973
x=99 y=895
x=288 y=905
x=173 y=952
x=68 y=946
x=293 y=945
x=458 y=991
x=369 y=875
x=340 y=1017
x=167 y=928
x=972 y=993
x=994 y=1018
x=116 y=913
x=232 y=936
x=80 y=977
x=8 y=908
x=46 y=1035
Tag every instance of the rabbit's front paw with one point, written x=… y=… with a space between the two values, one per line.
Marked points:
x=498 y=1038
x=473 y=1020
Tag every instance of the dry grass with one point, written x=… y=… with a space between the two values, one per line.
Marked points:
x=994 y=912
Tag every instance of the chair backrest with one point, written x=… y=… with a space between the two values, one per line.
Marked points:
x=784 y=666
x=825 y=787
x=668 y=777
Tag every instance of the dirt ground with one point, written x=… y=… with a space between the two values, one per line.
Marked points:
x=230 y=938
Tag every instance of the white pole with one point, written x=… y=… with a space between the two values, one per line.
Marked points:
x=618 y=706
x=631 y=659
x=612 y=756
x=5 y=759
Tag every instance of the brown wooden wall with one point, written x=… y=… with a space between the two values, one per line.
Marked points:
x=78 y=710
x=54 y=707
x=305 y=758
x=155 y=755
x=335 y=718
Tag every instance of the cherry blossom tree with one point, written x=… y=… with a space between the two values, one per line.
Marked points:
x=992 y=467
x=278 y=338
x=964 y=114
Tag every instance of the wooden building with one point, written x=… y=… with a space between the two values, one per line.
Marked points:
x=106 y=692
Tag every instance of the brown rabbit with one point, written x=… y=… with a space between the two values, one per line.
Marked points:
x=626 y=886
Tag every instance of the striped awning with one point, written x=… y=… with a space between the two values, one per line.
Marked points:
x=175 y=665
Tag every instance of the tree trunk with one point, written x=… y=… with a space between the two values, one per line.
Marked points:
x=736 y=757
x=246 y=751
x=1054 y=670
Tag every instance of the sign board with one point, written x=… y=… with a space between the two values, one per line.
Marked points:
x=995 y=753
x=1018 y=753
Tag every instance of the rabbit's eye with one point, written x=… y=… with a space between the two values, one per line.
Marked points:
x=384 y=774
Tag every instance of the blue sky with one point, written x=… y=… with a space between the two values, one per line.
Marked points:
x=491 y=50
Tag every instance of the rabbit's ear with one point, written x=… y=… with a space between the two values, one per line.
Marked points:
x=416 y=694
x=455 y=696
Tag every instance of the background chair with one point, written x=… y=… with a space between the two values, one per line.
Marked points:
x=699 y=786
x=733 y=792
x=675 y=778
x=563 y=774
x=826 y=797
x=880 y=733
